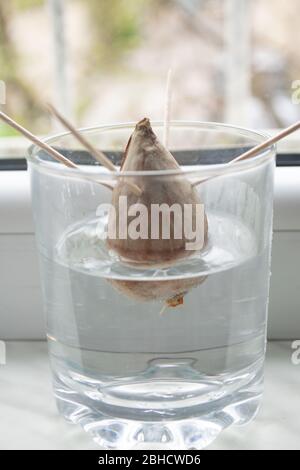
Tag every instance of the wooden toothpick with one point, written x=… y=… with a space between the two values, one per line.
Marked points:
x=258 y=148
x=97 y=154
x=167 y=110
x=267 y=143
x=50 y=150
x=34 y=139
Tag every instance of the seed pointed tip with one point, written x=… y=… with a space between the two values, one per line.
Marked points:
x=144 y=124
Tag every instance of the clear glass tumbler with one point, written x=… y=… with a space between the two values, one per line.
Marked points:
x=151 y=350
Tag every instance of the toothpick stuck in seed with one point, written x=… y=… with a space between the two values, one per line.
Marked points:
x=168 y=98
x=264 y=145
x=258 y=148
x=50 y=150
x=97 y=154
x=35 y=140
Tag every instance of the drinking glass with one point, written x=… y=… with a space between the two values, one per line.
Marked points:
x=134 y=369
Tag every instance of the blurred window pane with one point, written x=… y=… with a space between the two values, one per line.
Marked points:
x=233 y=61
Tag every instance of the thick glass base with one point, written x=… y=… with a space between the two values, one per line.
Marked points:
x=145 y=421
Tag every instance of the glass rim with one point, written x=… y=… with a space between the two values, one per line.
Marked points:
x=58 y=168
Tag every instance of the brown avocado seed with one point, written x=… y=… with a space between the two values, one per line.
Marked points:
x=144 y=153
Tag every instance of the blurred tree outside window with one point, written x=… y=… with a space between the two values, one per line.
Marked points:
x=233 y=61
